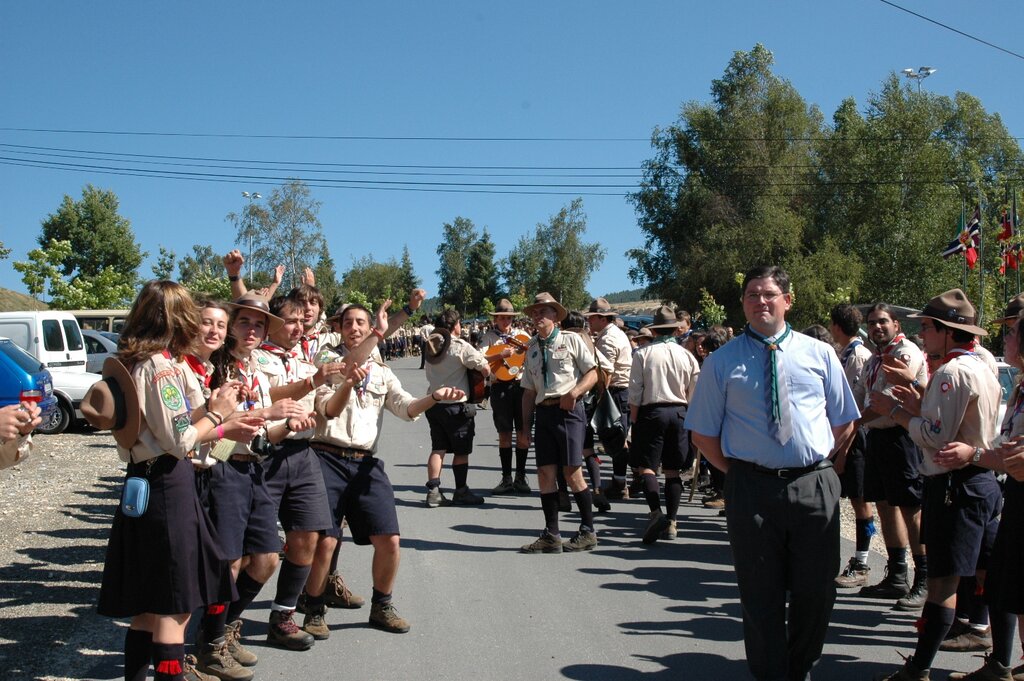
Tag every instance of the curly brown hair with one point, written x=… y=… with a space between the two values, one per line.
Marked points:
x=163 y=317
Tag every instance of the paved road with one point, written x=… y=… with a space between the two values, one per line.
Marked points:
x=480 y=610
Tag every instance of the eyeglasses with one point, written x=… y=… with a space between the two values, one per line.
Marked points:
x=767 y=296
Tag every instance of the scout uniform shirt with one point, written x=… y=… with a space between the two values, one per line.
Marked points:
x=168 y=391
x=663 y=372
x=568 y=359
x=358 y=424
x=613 y=344
x=283 y=367
x=450 y=371
x=202 y=371
x=960 y=405
x=253 y=377
x=854 y=358
x=904 y=350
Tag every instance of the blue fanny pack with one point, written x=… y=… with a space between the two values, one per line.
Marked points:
x=135 y=497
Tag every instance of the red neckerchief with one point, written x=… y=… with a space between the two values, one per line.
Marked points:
x=957 y=351
x=310 y=344
x=284 y=355
x=880 y=353
x=199 y=369
x=249 y=380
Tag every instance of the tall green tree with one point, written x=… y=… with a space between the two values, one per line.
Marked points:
x=374 y=281
x=165 y=264
x=567 y=260
x=409 y=278
x=453 y=288
x=43 y=273
x=327 y=279
x=482 y=274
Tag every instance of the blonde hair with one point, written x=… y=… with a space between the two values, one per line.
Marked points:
x=163 y=317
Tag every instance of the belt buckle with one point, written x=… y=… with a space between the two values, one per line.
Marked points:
x=782 y=472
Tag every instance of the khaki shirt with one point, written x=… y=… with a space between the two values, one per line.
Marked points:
x=358 y=425
x=876 y=379
x=855 y=368
x=451 y=369
x=15 y=451
x=201 y=457
x=272 y=362
x=988 y=358
x=568 y=362
x=251 y=374
x=613 y=343
x=960 y=405
x=168 y=391
x=664 y=372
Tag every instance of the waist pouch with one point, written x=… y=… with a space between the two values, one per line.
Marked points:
x=135 y=497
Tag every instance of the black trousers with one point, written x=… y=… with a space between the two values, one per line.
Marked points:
x=785 y=539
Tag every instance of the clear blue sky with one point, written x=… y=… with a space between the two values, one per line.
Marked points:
x=598 y=70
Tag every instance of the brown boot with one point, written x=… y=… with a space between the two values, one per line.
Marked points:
x=383 y=616
x=283 y=631
x=216 y=660
x=338 y=595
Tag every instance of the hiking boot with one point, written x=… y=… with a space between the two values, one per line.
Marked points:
x=233 y=635
x=716 y=501
x=546 y=543
x=435 y=498
x=656 y=524
x=908 y=672
x=284 y=632
x=506 y=486
x=190 y=673
x=968 y=640
x=670 y=532
x=854 y=574
x=892 y=587
x=564 y=502
x=464 y=496
x=991 y=671
x=601 y=503
x=520 y=485
x=315 y=623
x=915 y=598
x=383 y=616
x=337 y=594
x=616 y=490
x=584 y=540
x=216 y=660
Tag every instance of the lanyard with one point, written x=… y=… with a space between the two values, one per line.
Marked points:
x=773 y=345
x=546 y=343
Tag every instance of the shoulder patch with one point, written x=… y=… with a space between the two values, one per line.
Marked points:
x=166 y=373
x=261 y=359
x=181 y=422
x=937 y=427
x=171 y=397
x=945 y=386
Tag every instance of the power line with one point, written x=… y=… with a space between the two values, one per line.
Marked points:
x=954 y=30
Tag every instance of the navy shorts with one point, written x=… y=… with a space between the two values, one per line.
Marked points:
x=1004 y=583
x=507 y=406
x=558 y=435
x=852 y=479
x=890 y=468
x=960 y=534
x=660 y=438
x=361 y=493
x=452 y=427
x=242 y=510
x=296 y=484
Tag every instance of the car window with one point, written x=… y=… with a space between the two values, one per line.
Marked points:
x=1007 y=377
x=93 y=346
x=20 y=357
x=73 y=335
x=52 y=338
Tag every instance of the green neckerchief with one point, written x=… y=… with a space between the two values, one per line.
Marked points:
x=545 y=344
x=773 y=346
x=663 y=339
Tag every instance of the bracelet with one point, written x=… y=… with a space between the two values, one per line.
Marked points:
x=288 y=425
x=220 y=432
x=378 y=333
x=407 y=310
x=216 y=415
x=892 y=412
x=209 y=416
x=233 y=277
x=434 y=398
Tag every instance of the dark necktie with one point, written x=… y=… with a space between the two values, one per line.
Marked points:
x=780 y=422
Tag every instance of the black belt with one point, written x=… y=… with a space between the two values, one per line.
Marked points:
x=786 y=473
x=550 y=402
x=287 y=447
x=343 y=452
x=245 y=457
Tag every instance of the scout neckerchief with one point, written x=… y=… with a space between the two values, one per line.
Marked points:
x=780 y=425
x=545 y=345
x=310 y=344
x=663 y=339
x=285 y=356
x=888 y=349
x=960 y=351
x=199 y=369
x=849 y=350
x=251 y=381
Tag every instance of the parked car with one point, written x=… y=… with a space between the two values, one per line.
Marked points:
x=51 y=336
x=1007 y=379
x=23 y=379
x=98 y=346
x=69 y=387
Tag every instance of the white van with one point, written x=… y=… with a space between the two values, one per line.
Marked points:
x=51 y=336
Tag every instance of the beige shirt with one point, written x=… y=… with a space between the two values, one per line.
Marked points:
x=876 y=380
x=613 y=343
x=15 y=451
x=569 y=360
x=988 y=358
x=960 y=405
x=358 y=425
x=855 y=368
x=662 y=372
x=251 y=374
x=272 y=362
x=201 y=457
x=451 y=369
x=168 y=391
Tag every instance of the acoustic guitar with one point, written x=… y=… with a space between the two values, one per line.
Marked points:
x=478 y=388
x=508 y=368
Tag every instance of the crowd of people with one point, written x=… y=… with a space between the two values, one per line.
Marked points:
x=241 y=416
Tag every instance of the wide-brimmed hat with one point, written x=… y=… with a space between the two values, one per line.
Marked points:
x=664 y=318
x=504 y=307
x=644 y=335
x=437 y=344
x=546 y=299
x=1013 y=309
x=255 y=303
x=599 y=306
x=113 y=404
x=954 y=310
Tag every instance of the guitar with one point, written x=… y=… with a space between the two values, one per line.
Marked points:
x=508 y=368
x=478 y=388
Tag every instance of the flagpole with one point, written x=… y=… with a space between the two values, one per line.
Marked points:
x=963 y=223
x=1013 y=225
x=981 y=257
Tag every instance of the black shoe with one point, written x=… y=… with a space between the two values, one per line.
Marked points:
x=601 y=503
x=464 y=496
x=915 y=598
x=505 y=486
x=521 y=485
x=892 y=587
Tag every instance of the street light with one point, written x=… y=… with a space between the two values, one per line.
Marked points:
x=919 y=75
x=252 y=196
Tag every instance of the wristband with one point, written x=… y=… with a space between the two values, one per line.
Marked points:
x=434 y=398
x=233 y=277
x=207 y=415
x=892 y=412
x=978 y=451
x=288 y=425
x=407 y=310
x=377 y=332
x=220 y=432
x=216 y=415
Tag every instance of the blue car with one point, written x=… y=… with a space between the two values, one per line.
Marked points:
x=23 y=379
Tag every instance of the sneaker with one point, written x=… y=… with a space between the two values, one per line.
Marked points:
x=435 y=498
x=892 y=587
x=506 y=486
x=906 y=673
x=216 y=660
x=670 y=532
x=991 y=671
x=190 y=673
x=546 y=543
x=656 y=524
x=284 y=632
x=383 y=616
x=464 y=497
x=564 y=502
x=855 y=574
x=716 y=501
x=915 y=598
x=315 y=623
x=584 y=540
x=615 y=490
x=233 y=635
x=601 y=503
x=521 y=485
x=337 y=595
x=970 y=640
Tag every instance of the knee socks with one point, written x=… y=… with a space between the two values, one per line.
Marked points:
x=290 y=581
x=673 y=494
x=214 y=622
x=461 y=473
x=585 y=503
x=334 y=556
x=652 y=492
x=138 y=652
x=865 y=528
x=594 y=471
x=167 y=661
x=1004 y=625
x=248 y=589
x=505 y=454
x=522 y=454
x=549 y=502
x=934 y=624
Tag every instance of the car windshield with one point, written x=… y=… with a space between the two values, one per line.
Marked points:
x=20 y=357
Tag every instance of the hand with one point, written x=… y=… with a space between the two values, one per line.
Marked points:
x=909 y=398
x=18 y=419
x=300 y=424
x=278 y=274
x=447 y=394
x=354 y=375
x=416 y=298
x=262 y=292
x=308 y=278
x=882 y=402
x=567 y=402
x=896 y=370
x=242 y=428
x=328 y=371
x=225 y=399
x=954 y=455
x=382 y=316
x=233 y=262
x=284 y=409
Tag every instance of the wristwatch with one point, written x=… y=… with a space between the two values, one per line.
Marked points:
x=977 y=455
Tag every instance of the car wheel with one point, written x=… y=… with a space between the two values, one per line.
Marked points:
x=58 y=421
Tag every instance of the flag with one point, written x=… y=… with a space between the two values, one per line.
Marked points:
x=1007 y=232
x=967 y=239
x=1010 y=258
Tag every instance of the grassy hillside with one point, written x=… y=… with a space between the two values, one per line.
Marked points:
x=12 y=301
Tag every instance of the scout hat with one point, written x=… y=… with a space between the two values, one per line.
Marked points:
x=664 y=318
x=437 y=344
x=599 y=306
x=113 y=404
x=504 y=307
x=253 y=302
x=546 y=299
x=954 y=310
x=1013 y=309
x=643 y=336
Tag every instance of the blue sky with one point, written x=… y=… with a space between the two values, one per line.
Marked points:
x=602 y=73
